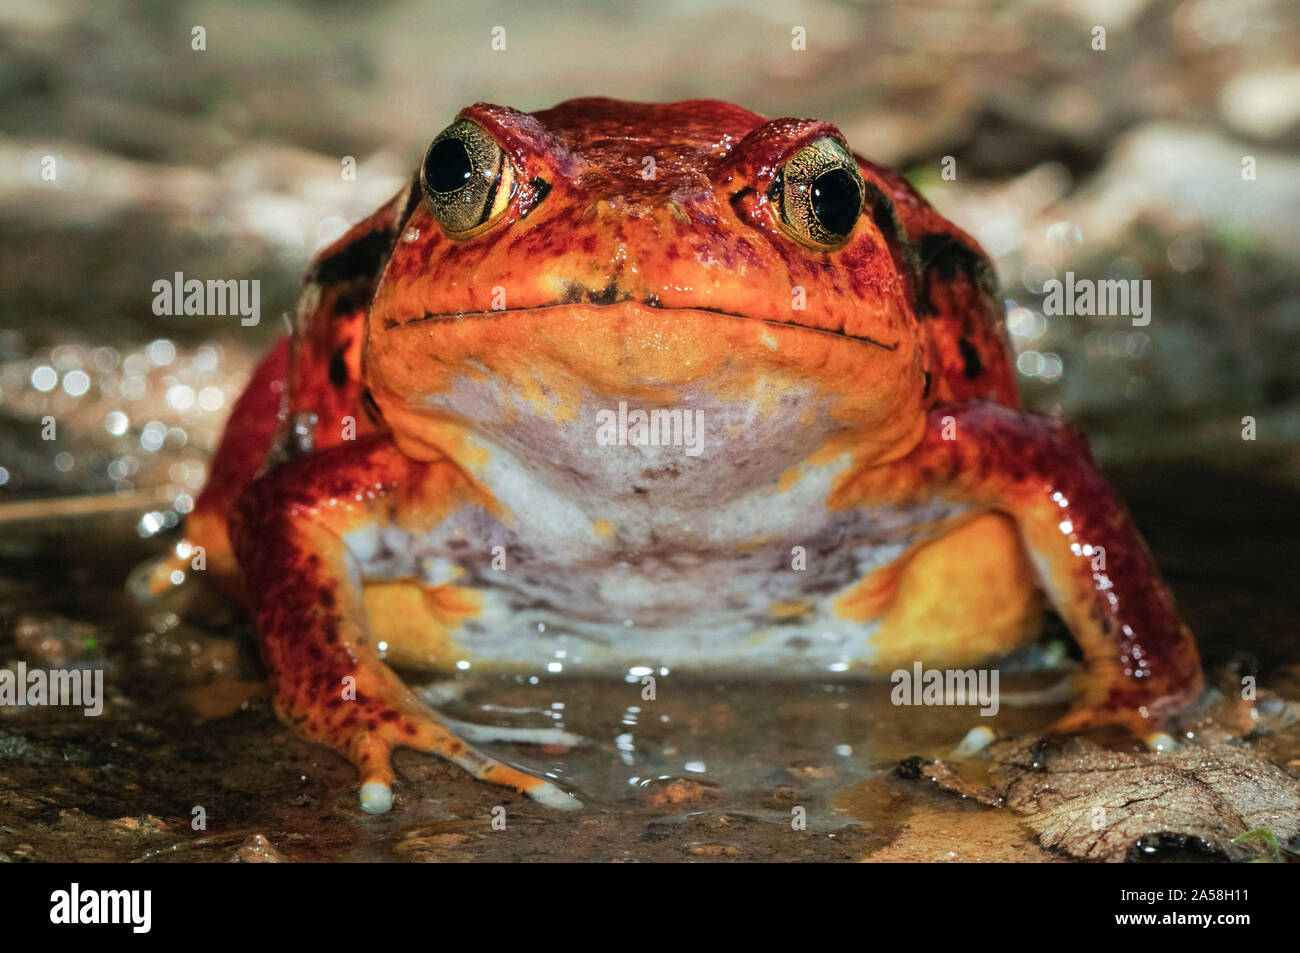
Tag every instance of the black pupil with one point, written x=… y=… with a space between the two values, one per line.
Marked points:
x=836 y=201
x=447 y=167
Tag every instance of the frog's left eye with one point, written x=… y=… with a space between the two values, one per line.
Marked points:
x=467 y=179
x=818 y=194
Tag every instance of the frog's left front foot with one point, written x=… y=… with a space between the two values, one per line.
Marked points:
x=1140 y=664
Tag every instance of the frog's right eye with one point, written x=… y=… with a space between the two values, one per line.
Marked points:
x=467 y=179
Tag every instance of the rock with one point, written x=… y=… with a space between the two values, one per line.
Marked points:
x=257 y=850
x=713 y=850
x=51 y=641
x=1265 y=103
x=678 y=791
x=1187 y=178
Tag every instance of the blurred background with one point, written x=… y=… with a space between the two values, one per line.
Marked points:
x=224 y=162
x=128 y=155
x=143 y=139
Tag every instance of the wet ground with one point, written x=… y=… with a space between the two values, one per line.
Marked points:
x=710 y=770
x=224 y=163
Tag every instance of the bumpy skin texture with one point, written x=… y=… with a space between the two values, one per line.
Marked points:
x=436 y=389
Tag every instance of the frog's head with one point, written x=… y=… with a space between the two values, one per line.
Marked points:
x=684 y=255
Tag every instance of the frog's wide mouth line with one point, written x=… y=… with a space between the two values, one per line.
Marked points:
x=448 y=317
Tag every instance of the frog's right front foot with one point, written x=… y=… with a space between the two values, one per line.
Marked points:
x=304 y=583
x=370 y=751
x=333 y=689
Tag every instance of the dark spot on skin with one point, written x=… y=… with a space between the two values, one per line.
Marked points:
x=351 y=302
x=338 y=368
x=362 y=258
x=885 y=216
x=738 y=197
x=972 y=358
x=606 y=295
x=945 y=256
x=882 y=212
x=541 y=188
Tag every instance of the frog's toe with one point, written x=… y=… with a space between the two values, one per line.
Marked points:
x=529 y=736
x=371 y=754
x=1057 y=694
x=159 y=575
x=487 y=768
x=1089 y=717
x=976 y=740
x=376 y=797
x=1160 y=741
x=436 y=736
x=553 y=796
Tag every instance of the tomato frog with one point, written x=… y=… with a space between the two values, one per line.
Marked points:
x=619 y=384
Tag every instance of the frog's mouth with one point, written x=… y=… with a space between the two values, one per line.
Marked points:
x=609 y=298
x=537 y=373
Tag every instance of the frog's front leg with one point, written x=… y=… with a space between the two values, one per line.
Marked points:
x=304 y=580
x=1141 y=663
